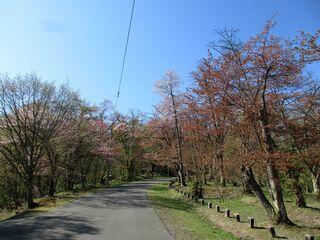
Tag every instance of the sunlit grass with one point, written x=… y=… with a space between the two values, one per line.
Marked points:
x=181 y=217
x=308 y=218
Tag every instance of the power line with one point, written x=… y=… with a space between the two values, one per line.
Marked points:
x=124 y=56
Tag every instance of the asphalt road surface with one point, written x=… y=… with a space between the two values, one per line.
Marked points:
x=121 y=213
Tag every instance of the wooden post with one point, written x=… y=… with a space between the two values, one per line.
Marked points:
x=237 y=216
x=251 y=222
x=227 y=213
x=202 y=201
x=218 y=208
x=209 y=205
x=309 y=237
x=272 y=231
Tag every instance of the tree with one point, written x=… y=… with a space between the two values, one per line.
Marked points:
x=56 y=141
x=128 y=132
x=308 y=46
x=105 y=143
x=260 y=72
x=168 y=87
x=162 y=138
x=32 y=112
x=304 y=129
x=212 y=107
x=80 y=147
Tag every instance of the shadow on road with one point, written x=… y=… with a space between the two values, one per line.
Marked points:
x=131 y=195
x=90 y=216
x=46 y=227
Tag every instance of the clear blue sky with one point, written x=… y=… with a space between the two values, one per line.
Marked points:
x=84 y=40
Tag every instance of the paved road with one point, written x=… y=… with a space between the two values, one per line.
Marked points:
x=121 y=213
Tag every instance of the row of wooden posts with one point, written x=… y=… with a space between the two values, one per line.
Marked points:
x=271 y=229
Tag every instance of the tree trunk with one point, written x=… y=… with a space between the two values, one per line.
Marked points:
x=222 y=181
x=297 y=189
x=250 y=181
x=211 y=175
x=316 y=184
x=31 y=204
x=176 y=167
x=245 y=185
x=108 y=179
x=52 y=186
x=179 y=179
x=187 y=175
x=276 y=191
x=181 y=175
x=300 y=200
x=273 y=177
x=178 y=138
x=197 y=189
x=260 y=181
x=221 y=169
x=131 y=170
x=83 y=179
x=204 y=177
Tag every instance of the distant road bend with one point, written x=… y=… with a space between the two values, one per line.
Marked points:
x=121 y=213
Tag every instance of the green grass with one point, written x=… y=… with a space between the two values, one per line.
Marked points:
x=181 y=217
x=6 y=214
x=248 y=206
x=116 y=183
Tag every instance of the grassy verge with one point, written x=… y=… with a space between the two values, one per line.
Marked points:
x=308 y=218
x=248 y=206
x=182 y=219
x=48 y=203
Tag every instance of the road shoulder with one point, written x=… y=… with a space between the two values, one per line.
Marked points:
x=180 y=217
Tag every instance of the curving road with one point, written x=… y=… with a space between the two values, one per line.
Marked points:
x=121 y=213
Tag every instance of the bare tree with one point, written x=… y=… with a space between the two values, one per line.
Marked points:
x=31 y=114
x=168 y=87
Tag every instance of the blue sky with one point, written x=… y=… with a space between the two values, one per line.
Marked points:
x=84 y=40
